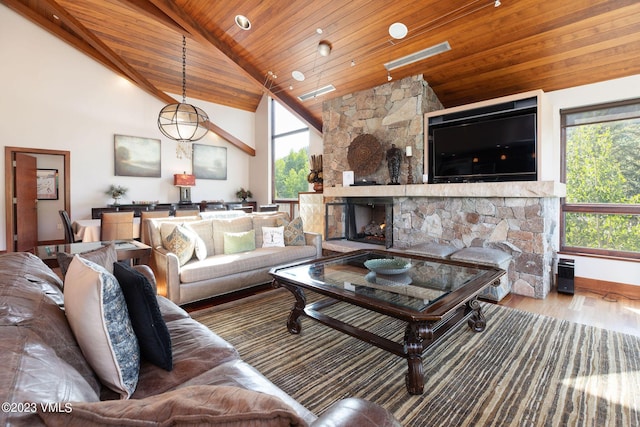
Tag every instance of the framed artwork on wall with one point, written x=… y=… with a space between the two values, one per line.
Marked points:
x=209 y=162
x=136 y=156
x=47 y=182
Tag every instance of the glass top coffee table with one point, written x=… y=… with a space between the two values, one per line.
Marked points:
x=430 y=296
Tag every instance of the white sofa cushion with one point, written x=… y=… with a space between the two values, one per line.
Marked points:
x=224 y=265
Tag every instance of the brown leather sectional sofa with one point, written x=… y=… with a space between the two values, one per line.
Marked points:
x=45 y=376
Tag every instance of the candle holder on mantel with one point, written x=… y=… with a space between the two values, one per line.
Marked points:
x=409 y=167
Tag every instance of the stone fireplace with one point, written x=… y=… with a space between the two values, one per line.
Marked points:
x=520 y=218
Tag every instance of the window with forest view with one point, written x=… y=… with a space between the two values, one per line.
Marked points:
x=601 y=212
x=290 y=141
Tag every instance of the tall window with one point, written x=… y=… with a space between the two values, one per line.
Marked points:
x=290 y=141
x=601 y=166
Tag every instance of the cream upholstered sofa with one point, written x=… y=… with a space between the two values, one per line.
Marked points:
x=190 y=276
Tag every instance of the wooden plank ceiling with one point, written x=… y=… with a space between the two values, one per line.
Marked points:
x=495 y=51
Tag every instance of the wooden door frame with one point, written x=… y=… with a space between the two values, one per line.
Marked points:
x=9 y=184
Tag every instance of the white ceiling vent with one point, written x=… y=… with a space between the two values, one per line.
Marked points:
x=315 y=93
x=418 y=56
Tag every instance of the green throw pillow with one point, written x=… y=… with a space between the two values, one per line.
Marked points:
x=239 y=242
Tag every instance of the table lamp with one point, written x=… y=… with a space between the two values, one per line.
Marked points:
x=185 y=182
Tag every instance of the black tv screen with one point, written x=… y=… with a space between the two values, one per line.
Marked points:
x=500 y=149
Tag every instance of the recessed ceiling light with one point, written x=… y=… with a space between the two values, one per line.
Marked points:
x=319 y=30
x=324 y=48
x=243 y=22
x=298 y=75
x=398 y=30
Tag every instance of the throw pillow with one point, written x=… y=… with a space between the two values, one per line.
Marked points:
x=149 y=326
x=204 y=230
x=104 y=256
x=235 y=225
x=97 y=313
x=178 y=240
x=239 y=242
x=272 y=237
x=200 y=248
x=293 y=232
x=265 y=219
x=196 y=405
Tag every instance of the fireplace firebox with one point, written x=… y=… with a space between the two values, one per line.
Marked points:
x=361 y=219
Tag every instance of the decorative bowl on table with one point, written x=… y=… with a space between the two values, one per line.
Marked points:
x=387 y=265
x=386 y=280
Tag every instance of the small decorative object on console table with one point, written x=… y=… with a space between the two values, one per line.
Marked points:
x=315 y=176
x=243 y=194
x=116 y=191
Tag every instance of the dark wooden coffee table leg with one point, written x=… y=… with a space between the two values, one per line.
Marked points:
x=476 y=321
x=293 y=323
x=414 y=336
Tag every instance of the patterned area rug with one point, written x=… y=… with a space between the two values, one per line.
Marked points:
x=523 y=370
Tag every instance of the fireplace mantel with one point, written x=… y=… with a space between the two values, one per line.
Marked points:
x=520 y=189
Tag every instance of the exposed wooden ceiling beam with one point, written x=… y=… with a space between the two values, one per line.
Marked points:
x=150 y=10
x=256 y=76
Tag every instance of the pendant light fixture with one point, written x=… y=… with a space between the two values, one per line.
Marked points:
x=183 y=122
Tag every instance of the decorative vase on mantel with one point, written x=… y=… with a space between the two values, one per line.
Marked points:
x=318 y=186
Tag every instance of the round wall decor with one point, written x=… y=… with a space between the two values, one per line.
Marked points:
x=364 y=154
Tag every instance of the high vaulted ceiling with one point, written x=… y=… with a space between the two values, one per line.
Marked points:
x=495 y=51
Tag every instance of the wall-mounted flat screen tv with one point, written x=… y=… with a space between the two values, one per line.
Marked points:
x=484 y=150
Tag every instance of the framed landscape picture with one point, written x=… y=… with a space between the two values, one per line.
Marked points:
x=136 y=156
x=47 y=182
x=209 y=162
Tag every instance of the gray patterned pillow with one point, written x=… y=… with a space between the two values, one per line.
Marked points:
x=97 y=313
x=293 y=232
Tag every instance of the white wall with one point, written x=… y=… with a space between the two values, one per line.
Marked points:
x=613 y=90
x=55 y=97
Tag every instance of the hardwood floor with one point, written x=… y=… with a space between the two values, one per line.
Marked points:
x=608 y=311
